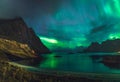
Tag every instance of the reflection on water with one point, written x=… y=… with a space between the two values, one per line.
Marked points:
x=76 y=63
x=51 y=62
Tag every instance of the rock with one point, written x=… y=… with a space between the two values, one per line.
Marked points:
x=12 y=50
x=17 y=30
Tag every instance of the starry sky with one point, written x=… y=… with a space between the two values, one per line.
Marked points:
x=67 y=23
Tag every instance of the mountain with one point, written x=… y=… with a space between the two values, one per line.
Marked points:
x=105 y=46
x=18 y=43
x=17 y=30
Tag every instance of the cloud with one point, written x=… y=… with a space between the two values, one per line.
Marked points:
x=23 y=8
x=101 y=32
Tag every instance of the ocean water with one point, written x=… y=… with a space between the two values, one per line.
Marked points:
x=79 y=62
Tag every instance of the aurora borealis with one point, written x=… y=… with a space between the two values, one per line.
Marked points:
x=72 y=23
x=80 y=22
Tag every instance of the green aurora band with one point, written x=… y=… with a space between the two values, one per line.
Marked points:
x=73 y=23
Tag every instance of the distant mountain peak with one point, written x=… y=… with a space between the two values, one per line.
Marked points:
x=105 y=46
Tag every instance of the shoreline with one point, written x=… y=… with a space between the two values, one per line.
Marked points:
x=20 y=73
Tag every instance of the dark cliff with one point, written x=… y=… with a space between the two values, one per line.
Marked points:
x=106 y=46
x=17 y=30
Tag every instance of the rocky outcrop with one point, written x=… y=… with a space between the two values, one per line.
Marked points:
x=17 y=30
x=106 y=46
x=12 y=50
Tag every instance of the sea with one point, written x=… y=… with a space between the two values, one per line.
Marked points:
x=77 y=63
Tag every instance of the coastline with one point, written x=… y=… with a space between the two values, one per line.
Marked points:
x=11 y=72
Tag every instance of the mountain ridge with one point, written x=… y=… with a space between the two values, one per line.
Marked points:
x=17 y=30
x=105 y=46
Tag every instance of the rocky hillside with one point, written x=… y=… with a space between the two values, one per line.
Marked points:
x=12 y=50
x=17 y=30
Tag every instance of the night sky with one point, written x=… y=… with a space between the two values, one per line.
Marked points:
x=67 y=23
